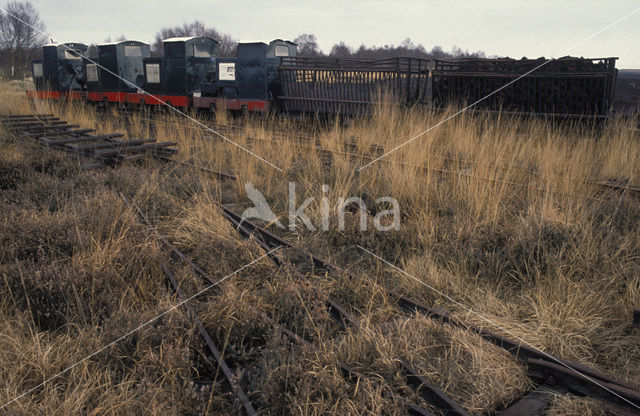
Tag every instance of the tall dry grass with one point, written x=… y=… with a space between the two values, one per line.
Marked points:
x=496 y=212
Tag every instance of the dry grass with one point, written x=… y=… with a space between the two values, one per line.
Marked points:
x=513 y=231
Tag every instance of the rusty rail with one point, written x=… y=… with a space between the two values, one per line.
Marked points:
x=235 y=387
x=269 y=241
x=574 y=379
x=349 y=372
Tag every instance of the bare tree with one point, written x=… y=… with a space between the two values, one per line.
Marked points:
x=437 y=52
x=340 y=50
x=20 y=35
x=307 y=45
x=195 y=28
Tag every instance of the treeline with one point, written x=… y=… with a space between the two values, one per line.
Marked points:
x=308 y=46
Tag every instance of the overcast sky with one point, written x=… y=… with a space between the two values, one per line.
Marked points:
x=505 y=28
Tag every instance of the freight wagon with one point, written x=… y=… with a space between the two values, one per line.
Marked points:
x=568 y=87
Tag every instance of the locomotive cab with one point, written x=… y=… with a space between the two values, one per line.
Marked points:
x=223 y=83
x=61 y=68
x=124 y=59
x=258 y=67
x=188 y=63
x=278 y=49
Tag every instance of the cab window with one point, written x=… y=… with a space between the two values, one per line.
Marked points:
x=201 y=51
x=281 y=50
x=132 y=51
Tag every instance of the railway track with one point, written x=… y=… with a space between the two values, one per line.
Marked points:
x=312 y=143
x=547 y=370
x=337 y=311
x=551 y=375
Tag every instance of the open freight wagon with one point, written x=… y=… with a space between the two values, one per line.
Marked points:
x=565 y=87
x=349 y=86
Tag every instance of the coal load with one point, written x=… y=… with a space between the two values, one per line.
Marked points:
x=564 y=87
